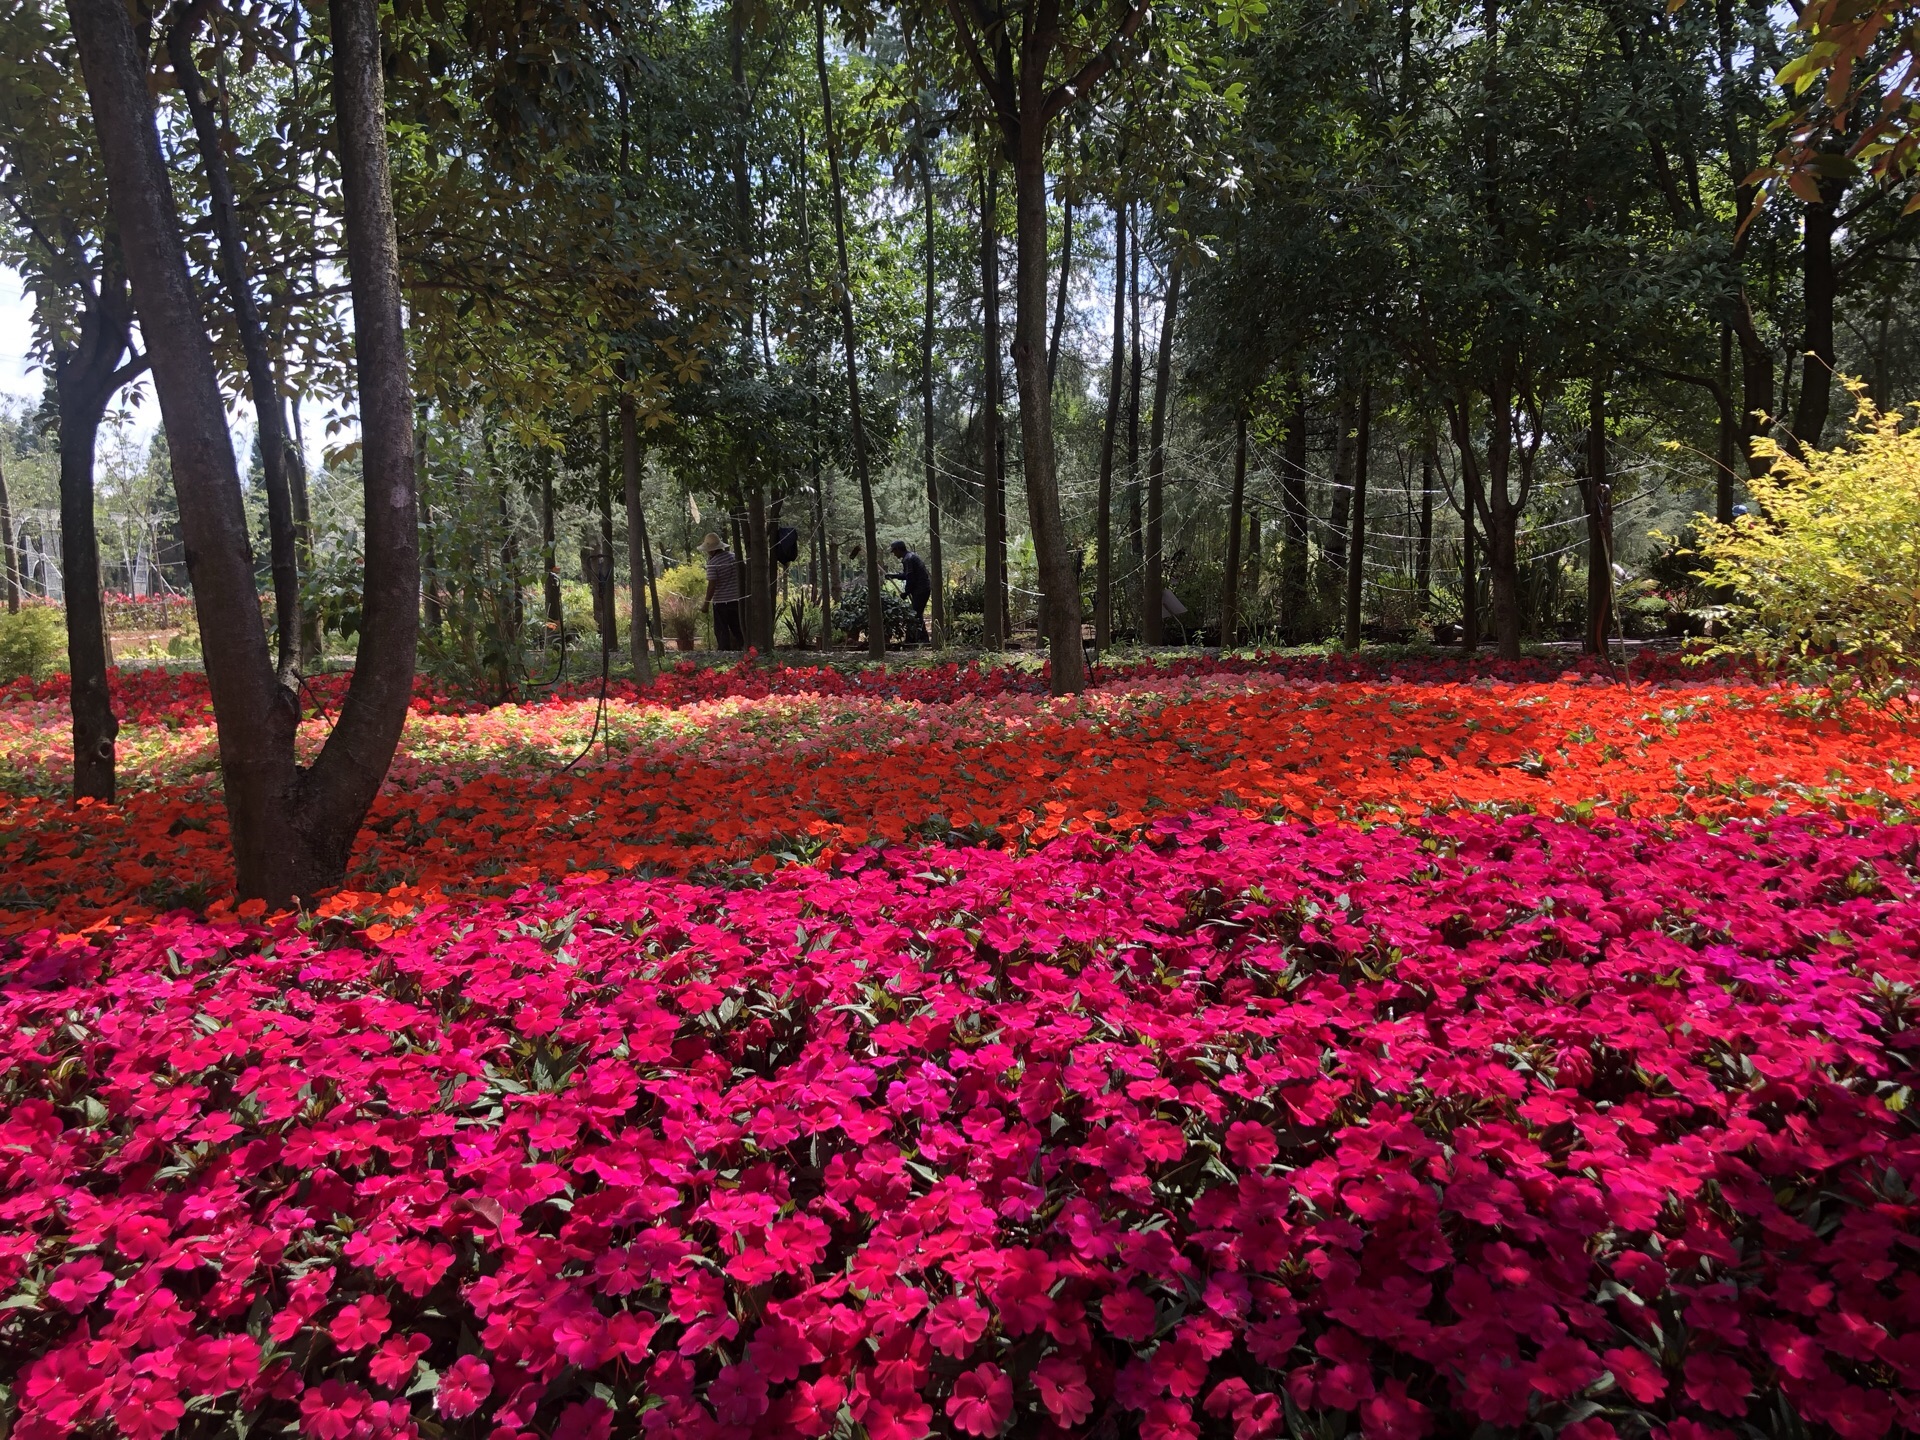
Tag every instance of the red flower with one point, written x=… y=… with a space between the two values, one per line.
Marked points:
x=463 y=1388
x=1637 y=1374
x=397 y=1359
x=360 y=1324
x=981 y=1401
x=78 y=1283
x=1719 y=1384
x=955 y=1324
x=1063 y=1389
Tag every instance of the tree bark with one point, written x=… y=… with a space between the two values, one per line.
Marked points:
x=1818 y=287
x=1103 y=518
x=1357 y=516
x=936 y=561
x=994 y=616
x=760 y=570
x=549 y=547
x=1059 y=577
x=1136 y=545
x=605 y=621
x=1423 y=557
x=9 y=566
x=1060 y=300
x=1236 y=508
x=85 y=377
x=1296 y=619
x=1597 y=491
x=275 y=461
x=876 y=614
x=1502 y=514
x=1152 y=628
x=639 y=563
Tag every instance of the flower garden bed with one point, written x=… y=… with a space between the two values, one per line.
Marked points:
x=1545 y=1069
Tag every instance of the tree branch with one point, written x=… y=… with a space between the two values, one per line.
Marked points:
x=1096 y=68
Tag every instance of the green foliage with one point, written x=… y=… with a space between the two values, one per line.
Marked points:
x=1824 y=580
x=850 y=615
x=32 y=642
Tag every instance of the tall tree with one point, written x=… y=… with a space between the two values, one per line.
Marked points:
x=292 y=830
x=843 y=286
x=1116 y=385
x=1154 y=585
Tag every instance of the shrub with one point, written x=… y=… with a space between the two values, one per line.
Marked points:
x=31 y=643
x=850 y=615
x=1824 y=579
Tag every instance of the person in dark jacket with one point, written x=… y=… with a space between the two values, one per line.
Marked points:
x=918 y=584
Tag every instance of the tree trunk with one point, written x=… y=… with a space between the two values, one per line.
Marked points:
x=637 y=559
x=876 y=615
x=1423 y=557
x=1054 y=558
x=1469 y=579
x=604 y=619
x=310 y=641
x=1060 y=300
x=760 y=568
x=1502 y=515
x=265 y=392
x=1296 y=619
x=9 y=566
x=291 y=833
x=84 y=381
x=1136 y=546
x=1152 y=627
x=1597 y=491
x=935 y=560
x=1103 y=517
x=1729 y=432
x=1818 y=286
x=1236 y=507
x=549 y=548
x=994 y=618
x=1357 y=521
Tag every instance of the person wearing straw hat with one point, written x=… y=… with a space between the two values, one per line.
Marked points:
x=723 y=594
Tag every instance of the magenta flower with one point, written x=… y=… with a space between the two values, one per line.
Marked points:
x=981 y=1401
x=78 y=1283
x=464 y=1387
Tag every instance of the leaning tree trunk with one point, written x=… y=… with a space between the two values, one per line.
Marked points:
x=843 y=283
x=1153 y=587
x=637 y=559
x=85 y=378
x=1103 y=519
x=1059 y=577
x=1060 y=299
x=275 y=461
x=291 y=833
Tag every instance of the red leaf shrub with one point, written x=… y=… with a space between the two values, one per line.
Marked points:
x=1497 y=1122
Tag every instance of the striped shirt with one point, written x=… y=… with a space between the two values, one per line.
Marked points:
x=723 y=574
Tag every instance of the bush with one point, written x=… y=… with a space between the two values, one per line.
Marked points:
x=850 y=615
x=31 y=642
x=1824 y=579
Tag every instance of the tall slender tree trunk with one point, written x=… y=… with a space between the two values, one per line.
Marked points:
x=1501 y=514
x=876 y=615
x=310 y=641
x=1296 y=608
x=1116 y=383
x=84 y=376
x=1423 y=557
x=1152 y=628
x=549 y=547
x=604 y=619
x=1597 y=490
x=1819 y=284
x=936 y=560
x=1469 y=578
x=1729 y=432
x=1236 y=506
x=639 y=563
x=9 y=564
x=995 y=518
x=1357 y=519
x=1060 y=299
x=291 y=831
x=1136 y=537
x=275 y=460
x=1054 y=557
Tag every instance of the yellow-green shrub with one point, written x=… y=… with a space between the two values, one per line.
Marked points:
x=31 y=642
x=1823 y=579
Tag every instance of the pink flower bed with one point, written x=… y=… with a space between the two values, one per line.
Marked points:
x=1501 y=1122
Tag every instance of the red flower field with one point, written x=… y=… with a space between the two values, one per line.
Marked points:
x=1244 y=1052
